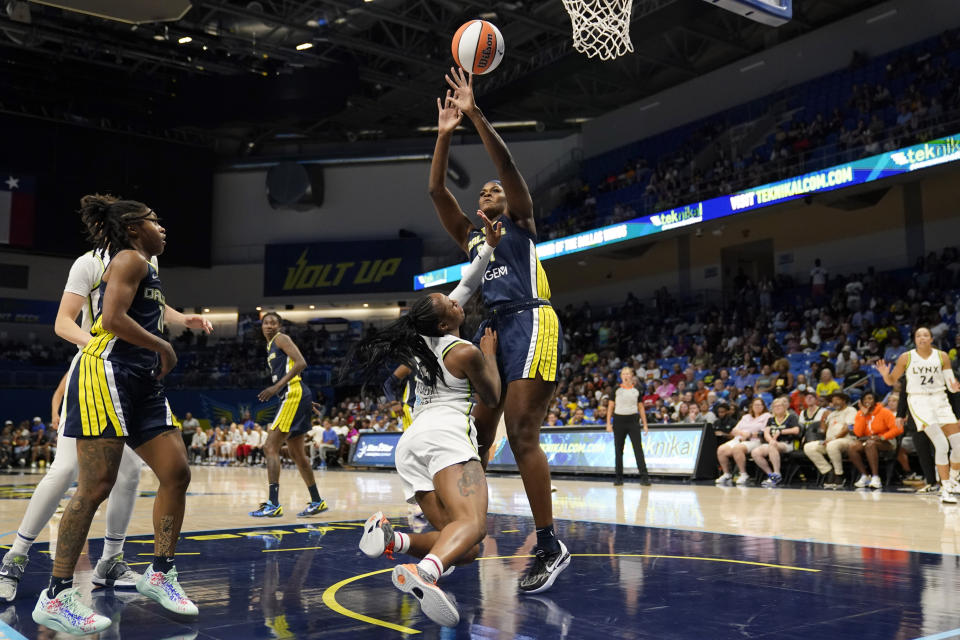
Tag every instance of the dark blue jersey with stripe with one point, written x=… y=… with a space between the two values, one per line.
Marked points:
x=146 y=309
x=279 y=364
x=514 y=272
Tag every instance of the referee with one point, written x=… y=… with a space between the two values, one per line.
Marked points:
x=623 y=412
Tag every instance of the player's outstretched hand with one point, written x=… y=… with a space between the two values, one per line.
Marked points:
x=883 y=368
x=449 y=116
x=493 y=231
x=462 y=85
x=199 y=322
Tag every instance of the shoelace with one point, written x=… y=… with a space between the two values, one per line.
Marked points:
x=170 y=578
x=74 y=605
x=121 y=568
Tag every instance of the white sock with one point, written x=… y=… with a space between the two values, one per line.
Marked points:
x=21 y=546
x=401 y=542
x=111 y=547
x=875 y=478
x=430 y=567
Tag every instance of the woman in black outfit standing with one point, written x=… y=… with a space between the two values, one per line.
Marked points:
x=622 y=414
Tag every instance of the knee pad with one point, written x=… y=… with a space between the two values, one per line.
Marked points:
x=940 y=445
x=954 y=447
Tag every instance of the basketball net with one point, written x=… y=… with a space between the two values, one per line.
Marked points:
x=600 y=27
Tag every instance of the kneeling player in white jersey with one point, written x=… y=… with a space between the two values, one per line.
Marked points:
x=81 y=296
x=437 y=457
x=929 y=377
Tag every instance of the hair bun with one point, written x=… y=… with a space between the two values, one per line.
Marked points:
x=96 y=204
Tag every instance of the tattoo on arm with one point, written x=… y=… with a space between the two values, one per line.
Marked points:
x=472 y=479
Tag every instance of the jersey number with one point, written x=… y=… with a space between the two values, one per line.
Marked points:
x=160 y=324
x=925 y=380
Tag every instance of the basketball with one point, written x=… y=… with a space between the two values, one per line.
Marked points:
x=477 y=47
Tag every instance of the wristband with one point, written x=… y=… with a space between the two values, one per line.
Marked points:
x=949 y=378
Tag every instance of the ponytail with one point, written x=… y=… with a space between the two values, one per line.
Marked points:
x=106 y=218
x=400 y=342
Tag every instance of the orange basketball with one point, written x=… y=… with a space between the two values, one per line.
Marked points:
x=477 y=47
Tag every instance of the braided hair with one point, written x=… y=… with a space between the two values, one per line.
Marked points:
x=106 y=218
x=399 y=342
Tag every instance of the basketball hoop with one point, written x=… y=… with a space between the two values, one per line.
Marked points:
x=600 y=27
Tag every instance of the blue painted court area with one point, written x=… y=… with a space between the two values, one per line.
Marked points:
x=625 y=582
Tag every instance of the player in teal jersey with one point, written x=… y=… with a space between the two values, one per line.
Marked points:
x=517 y=295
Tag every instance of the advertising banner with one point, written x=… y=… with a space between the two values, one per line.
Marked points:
x=667 y=450
x=322 y=268
x=861 y=171
x=376 y=450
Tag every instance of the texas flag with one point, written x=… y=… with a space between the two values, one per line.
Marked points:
x=17 y=207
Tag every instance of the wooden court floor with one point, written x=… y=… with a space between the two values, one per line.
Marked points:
x=667 y=561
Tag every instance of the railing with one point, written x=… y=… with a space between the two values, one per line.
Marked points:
x=771 y=171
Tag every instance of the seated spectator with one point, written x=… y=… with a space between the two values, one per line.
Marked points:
x=329 y=445
x=664 y=388
x=351 y=439
x=553 y=420
x=856 y=377
x=876 y=430
x=812 y=411
x=784 y=380
x=746 y=438
x=694 y=415
x=847 y=361
x=600 y=414
x=256 y=453
x=6 y=445
x=838 y=429
x=44 y=446
x=198 y=445
x=798 y=395
x=895 y=349
x=21 y=444
x=189 y=427
x=578 y=418
x=827 y=386
x=701 y=391
x=779 y=435
x=213 y=446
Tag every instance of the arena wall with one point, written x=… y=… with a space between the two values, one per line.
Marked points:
x=809 y=56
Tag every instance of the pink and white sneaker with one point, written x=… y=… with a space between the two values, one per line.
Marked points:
x=67 y=613
x=165 y=589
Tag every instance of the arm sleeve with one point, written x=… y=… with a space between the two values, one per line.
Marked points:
x=83 y=275
x=472 y=275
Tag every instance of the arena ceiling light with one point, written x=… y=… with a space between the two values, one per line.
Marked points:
x=185 y=40
x=513 y=124
x=303 y=46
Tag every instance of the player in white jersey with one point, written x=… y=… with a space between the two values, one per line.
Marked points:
x=437 y=456
x=929 y=376
x=81 y=296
